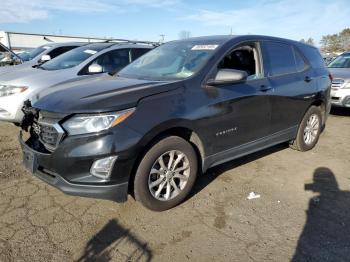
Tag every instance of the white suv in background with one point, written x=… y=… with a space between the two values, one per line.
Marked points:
x=340 y=70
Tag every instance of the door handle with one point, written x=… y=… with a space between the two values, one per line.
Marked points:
x=308 y=79
x=265 y=88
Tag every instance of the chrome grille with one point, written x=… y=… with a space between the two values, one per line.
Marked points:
x=48 y=135
x=337 y=83
x=49 y=132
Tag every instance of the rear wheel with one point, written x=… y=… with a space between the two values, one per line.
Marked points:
x=166 y=174
x=309 y=130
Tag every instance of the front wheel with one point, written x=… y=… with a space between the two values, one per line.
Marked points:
x=309 y=130
x=166 y=174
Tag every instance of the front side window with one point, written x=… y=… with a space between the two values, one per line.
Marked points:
x=72 y=58
x=111 y=62
x=243 y=58
x=281 y=58
x=171 y=61
x=342 y=61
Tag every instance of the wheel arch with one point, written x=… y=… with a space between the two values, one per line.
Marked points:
x=180 y=130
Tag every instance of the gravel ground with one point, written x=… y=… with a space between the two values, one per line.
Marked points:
x=302 y=215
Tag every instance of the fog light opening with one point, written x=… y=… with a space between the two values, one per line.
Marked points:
x=102 y=168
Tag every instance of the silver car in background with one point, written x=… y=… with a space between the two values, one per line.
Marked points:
x=340 y=70
x=85 y=62
x=39 y=55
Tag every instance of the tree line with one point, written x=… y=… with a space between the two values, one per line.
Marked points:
x=333 y=43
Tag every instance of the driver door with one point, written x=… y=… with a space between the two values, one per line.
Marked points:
x=243 y=109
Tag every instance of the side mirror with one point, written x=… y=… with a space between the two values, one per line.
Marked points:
x=45 y=58
x=95 y=69
x=228 y=76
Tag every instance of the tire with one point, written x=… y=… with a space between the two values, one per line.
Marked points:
x=302 y=142
x=157 y=197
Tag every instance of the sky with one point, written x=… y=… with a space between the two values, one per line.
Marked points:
x=148 y=19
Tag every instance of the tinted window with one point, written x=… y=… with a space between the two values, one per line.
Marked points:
x=60 y=50
x=313 y=55
x=299 y=60
x=113 y=61
x=281 y=57
x=137 y=52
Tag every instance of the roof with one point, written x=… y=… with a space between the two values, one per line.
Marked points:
x=226 y=38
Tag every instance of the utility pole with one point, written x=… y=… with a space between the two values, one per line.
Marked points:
x=162 y=38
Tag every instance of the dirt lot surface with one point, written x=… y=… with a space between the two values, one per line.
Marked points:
x=303 y=213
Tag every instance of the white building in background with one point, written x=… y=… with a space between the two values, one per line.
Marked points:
x=21 y=41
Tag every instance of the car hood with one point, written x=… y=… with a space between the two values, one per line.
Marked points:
x=343 y=73
x=37 y=79
x=101 y=94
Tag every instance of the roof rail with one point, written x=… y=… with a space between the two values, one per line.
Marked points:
x=123 y=41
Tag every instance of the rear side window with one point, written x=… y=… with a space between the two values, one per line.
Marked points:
x=313 y=55
x=281 y=58
x=60 y=50
x=137 y=52
x=299 y=61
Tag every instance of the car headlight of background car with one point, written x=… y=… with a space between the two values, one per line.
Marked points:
x=84 y=124
x=7 y=90
x=346 y=85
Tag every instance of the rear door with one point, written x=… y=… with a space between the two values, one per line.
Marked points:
x=291 y=79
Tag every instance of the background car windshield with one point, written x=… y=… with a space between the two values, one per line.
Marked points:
x=72 y=58
x=176 y=60
x=342 y=61
x=31 y=54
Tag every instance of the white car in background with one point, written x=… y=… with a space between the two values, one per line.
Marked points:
x=85 y=62
x=340 y=70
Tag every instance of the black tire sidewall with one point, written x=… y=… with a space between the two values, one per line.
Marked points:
x=141 y=190
x=303 y=146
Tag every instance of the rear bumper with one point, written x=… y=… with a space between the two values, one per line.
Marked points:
x=117 y=192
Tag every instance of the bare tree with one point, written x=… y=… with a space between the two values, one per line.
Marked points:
x=184 y=34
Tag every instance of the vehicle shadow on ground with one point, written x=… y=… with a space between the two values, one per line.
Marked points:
x=205 y=179
x=107 y=244
x=340 y=111
x=326 y=234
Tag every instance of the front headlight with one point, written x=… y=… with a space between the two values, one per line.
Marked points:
x=346 y=85
x=84 y=124
x=7 y=90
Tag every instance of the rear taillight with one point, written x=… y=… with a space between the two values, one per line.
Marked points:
x=330 y=77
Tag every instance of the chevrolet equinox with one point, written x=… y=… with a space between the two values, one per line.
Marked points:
x=178 y=110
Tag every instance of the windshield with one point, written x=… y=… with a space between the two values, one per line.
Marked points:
x=342 y=61
x=72 y=58
x=175 y=60
x=31 y=54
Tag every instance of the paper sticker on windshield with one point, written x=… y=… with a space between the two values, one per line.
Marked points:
x=89 y=51
x=204 y=47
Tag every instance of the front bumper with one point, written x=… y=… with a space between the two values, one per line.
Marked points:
x=10 y=108
x=70 y=174
x=340 y=97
